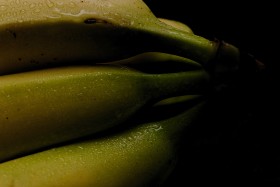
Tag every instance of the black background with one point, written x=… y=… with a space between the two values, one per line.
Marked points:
x=237 y=141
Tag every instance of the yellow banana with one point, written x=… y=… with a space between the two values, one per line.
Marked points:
x=39 y=33
x=142 y=155
x=177 y=24
x=43 y=107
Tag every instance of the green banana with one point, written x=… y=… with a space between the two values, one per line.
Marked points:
x=40 y=33
x=43 y=107
x=142 y=155
x=156 y=62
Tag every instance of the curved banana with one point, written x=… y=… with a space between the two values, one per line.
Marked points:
x=142 y=155
x=156 y=62
x=177 y=24
x=43 y=107
x=39 y=33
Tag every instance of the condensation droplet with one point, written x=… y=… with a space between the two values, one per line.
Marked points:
x=49 y=3
x=3 y=7
x=22 y=11
x=37 y=10
x=72 y=5
x=59 y=3
x=32 y=5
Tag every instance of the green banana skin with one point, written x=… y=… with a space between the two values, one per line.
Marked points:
x=142 y=155
x=35 y=34
x=156 y=62
x=43 y=107
x=177 y=24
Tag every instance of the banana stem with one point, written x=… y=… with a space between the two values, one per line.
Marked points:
x=217 y=57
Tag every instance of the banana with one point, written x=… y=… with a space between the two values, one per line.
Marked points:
x=41 y=33
x=156 y=62
x=43 y=107
x=177 y=24
x=142 y=155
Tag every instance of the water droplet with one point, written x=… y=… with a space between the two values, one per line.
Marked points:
x=49 y=3
x=72 y=5
x=60 y=3
x=33 y=5
x=3 y=7
x=37 y=10
x=22 y=11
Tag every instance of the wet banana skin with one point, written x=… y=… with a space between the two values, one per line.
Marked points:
x=49 y=106
x=142 y=154
x=46 y=32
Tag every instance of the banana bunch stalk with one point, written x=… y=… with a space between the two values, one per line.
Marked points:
x=92 y=92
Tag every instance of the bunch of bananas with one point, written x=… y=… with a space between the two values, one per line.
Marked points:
x=98 y=93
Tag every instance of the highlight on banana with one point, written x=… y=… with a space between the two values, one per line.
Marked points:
x=84 y=85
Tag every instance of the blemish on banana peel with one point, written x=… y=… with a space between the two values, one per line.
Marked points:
x=33 y=61
x=93 y=20
x=90 y=21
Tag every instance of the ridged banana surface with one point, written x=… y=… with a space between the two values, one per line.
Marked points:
x=44 y=107
x=142 y=154
x=39 y=33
